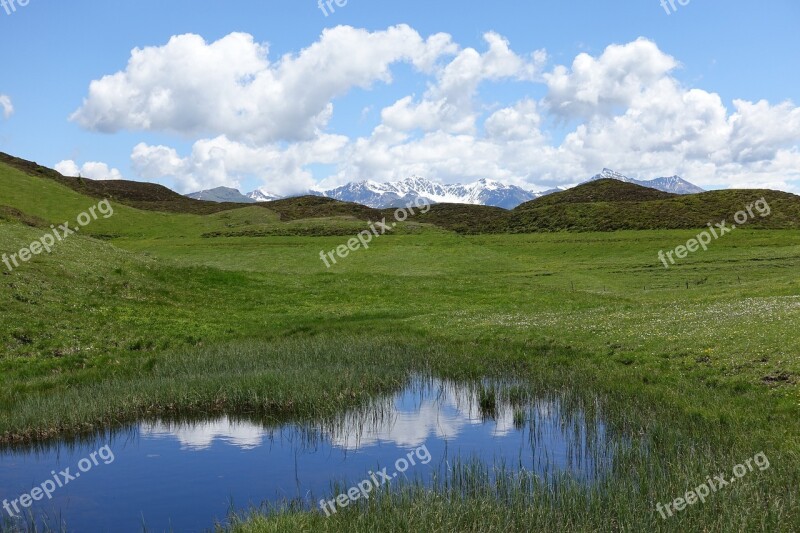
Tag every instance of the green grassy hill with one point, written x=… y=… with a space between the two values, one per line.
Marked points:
x=466 y=219
x=154 y=197
x=318 y=207
x=609 y=205
x=147 y=196
x=605 y=190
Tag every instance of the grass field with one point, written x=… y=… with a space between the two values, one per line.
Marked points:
x=697 y=365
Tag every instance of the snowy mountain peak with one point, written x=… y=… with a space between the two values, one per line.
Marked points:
x=607 y=173
x=263 y=195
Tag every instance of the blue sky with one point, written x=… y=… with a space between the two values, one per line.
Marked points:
x=708 y=91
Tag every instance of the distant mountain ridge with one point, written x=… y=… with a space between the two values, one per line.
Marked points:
x=415 y=189
x=381 y=195
x=673 y=184
x=222 y=194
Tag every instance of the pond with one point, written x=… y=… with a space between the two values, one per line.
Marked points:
x=186 y=476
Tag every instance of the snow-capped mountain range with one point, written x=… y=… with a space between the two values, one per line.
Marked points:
x=416 y=189
x=228 y=194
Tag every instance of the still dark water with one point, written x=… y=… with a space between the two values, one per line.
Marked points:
x=185 y=477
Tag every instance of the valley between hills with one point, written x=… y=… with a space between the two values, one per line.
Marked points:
x=178 y=311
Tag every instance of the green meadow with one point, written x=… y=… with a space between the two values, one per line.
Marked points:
x=146 y=314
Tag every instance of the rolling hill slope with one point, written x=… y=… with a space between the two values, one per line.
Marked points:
x=154 y=197
x=36 y=196
x=147 y=196
x=609 y=205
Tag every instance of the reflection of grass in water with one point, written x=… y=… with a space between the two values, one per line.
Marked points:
x=352 y=414
x=519 y=419
x=517 y=394
x=42 y=522
x=488 y=403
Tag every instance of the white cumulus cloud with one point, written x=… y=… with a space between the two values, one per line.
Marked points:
x=255 y=117
x=230 y=87
x=607 y=83
x=92 y=170
x=223 y=162
x=449 y=104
